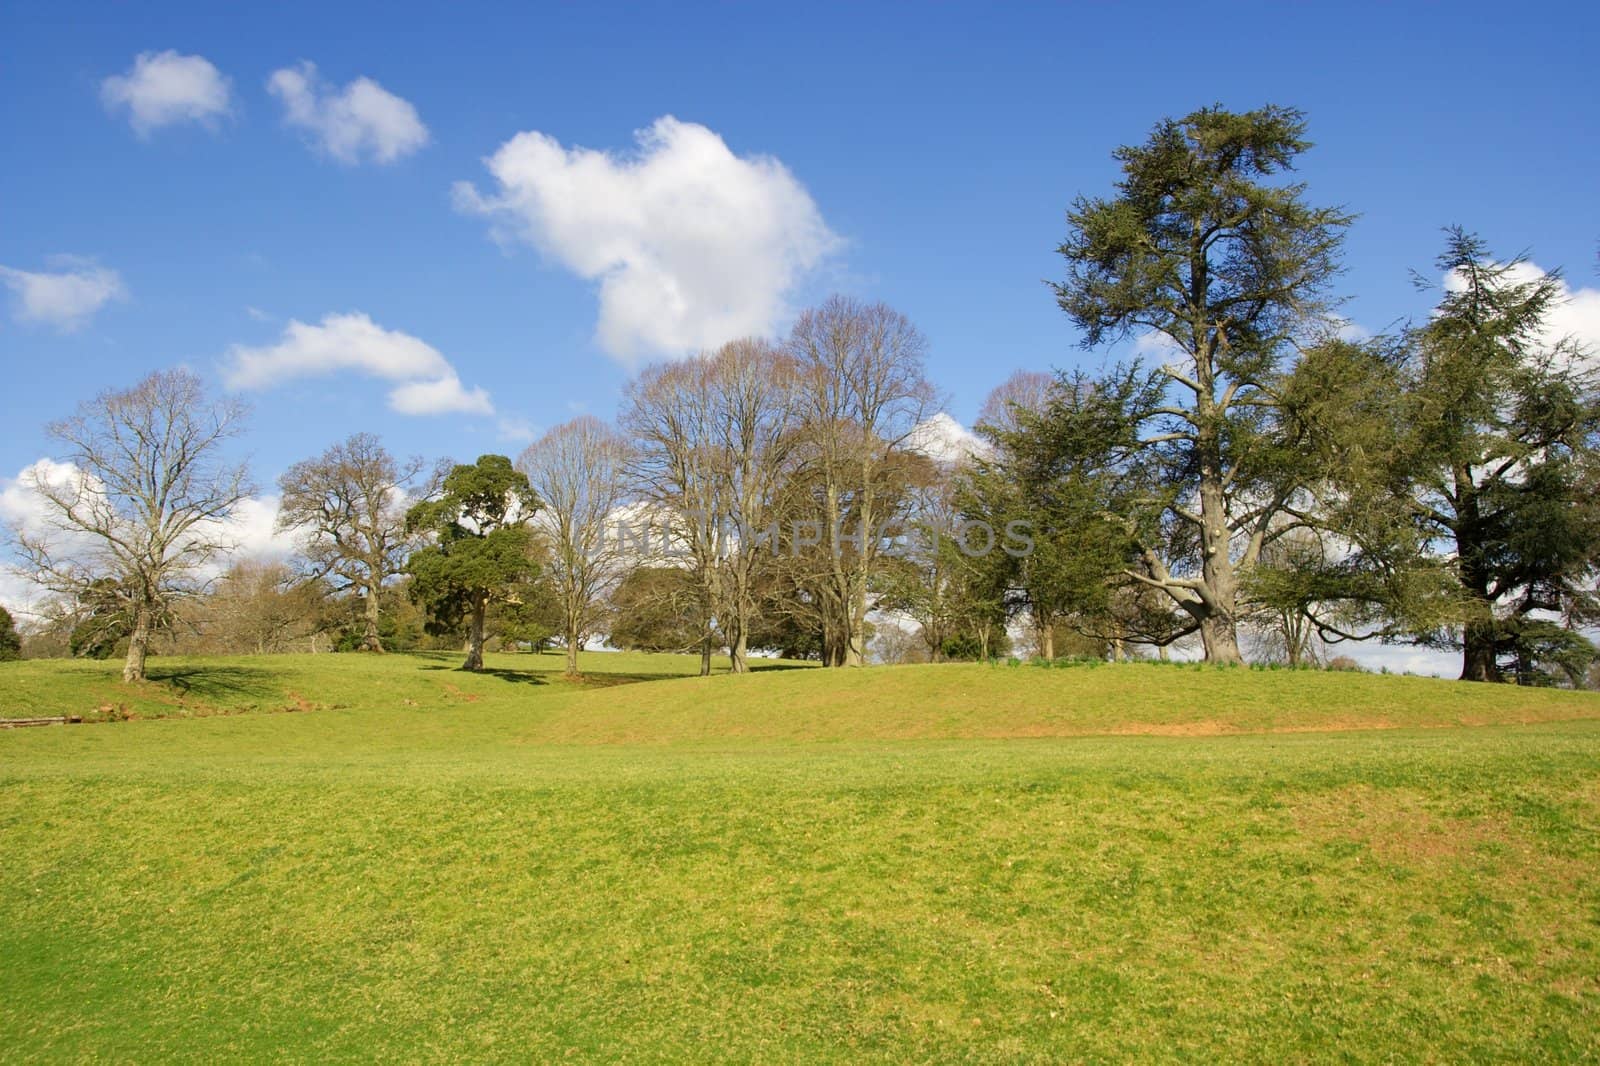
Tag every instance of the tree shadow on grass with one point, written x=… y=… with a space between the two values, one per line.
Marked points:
x=526 y=677
x=218 y=684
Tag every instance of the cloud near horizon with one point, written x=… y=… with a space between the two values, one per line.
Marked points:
x=690 y=245
x=425 y=382
x=251 y=530
x=362 y=121
x=165 y=88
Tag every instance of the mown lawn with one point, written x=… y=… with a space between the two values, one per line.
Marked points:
x=900 y=865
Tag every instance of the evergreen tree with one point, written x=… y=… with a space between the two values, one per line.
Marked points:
x=1225 y=269
x=482 y=547
x=10 y=642
x=1498 y=467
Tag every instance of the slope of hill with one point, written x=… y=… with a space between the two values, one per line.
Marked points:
x=963 y=862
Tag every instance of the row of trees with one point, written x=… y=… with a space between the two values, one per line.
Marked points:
x=1266 y=475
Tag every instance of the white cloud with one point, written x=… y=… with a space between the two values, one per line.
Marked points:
x=65 y=299
x=361 y=121
x=1346 y=330
x=1575 y=314
x=442 y=396
x=691 y=244
x=251 y=531
x=944 y=440
x=517 y=430
x=1157 y=344
x=426 y=383
x=163 y=88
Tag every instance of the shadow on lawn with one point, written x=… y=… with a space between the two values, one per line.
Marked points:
x=523 y=677
x=218 y=683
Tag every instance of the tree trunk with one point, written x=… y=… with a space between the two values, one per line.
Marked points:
x=705 y=656
x=1219 y=629
x=572 y=653
x=370 y=641
x=1220 y=638
x=1047 y=639
x=138 y=646
x=738 y=662
x=853 y=654
x=855 y=647
x=475 y=638
x=1478 y=660
x=1479 y=637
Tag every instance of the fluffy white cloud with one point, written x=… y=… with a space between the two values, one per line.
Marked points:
x=441 y=396
x=944 y=440
x=361 y=121
x=426 y=383
x=66 y=298
x=163 y=88
x=253 y=532
x=691 y=244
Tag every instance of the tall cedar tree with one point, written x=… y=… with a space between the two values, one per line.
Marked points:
x=1225 y=270
x=482 y=547
x=1500 y=466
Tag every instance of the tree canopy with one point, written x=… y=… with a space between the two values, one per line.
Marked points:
x=481 y=546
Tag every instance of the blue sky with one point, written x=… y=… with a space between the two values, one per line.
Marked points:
x=928 y=153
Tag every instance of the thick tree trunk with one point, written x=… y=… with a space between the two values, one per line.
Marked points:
x=855 y=649
x=1478 y=659
x=1479 y=641
x=1047 y=638
x=370 y=641
x=1219 y=627
x=738 y=661
x=138 y=646
x=1220 y=638
x=475 y=639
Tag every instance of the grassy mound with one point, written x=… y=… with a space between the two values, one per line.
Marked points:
x=900 y=865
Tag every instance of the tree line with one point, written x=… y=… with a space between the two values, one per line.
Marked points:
x=1264 y=475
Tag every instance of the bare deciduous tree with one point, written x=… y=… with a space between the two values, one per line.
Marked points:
x=147 y=503
x=257 y=606
x=862 y=392
x=349 y=505
x=677 y=469
x=1024 y=393
x=754 y=401
x=714 y=436
x=579 y=470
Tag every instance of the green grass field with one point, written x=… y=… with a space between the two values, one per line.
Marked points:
x=979 y=863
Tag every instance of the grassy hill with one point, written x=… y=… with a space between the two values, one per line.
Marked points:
x=952 y=862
